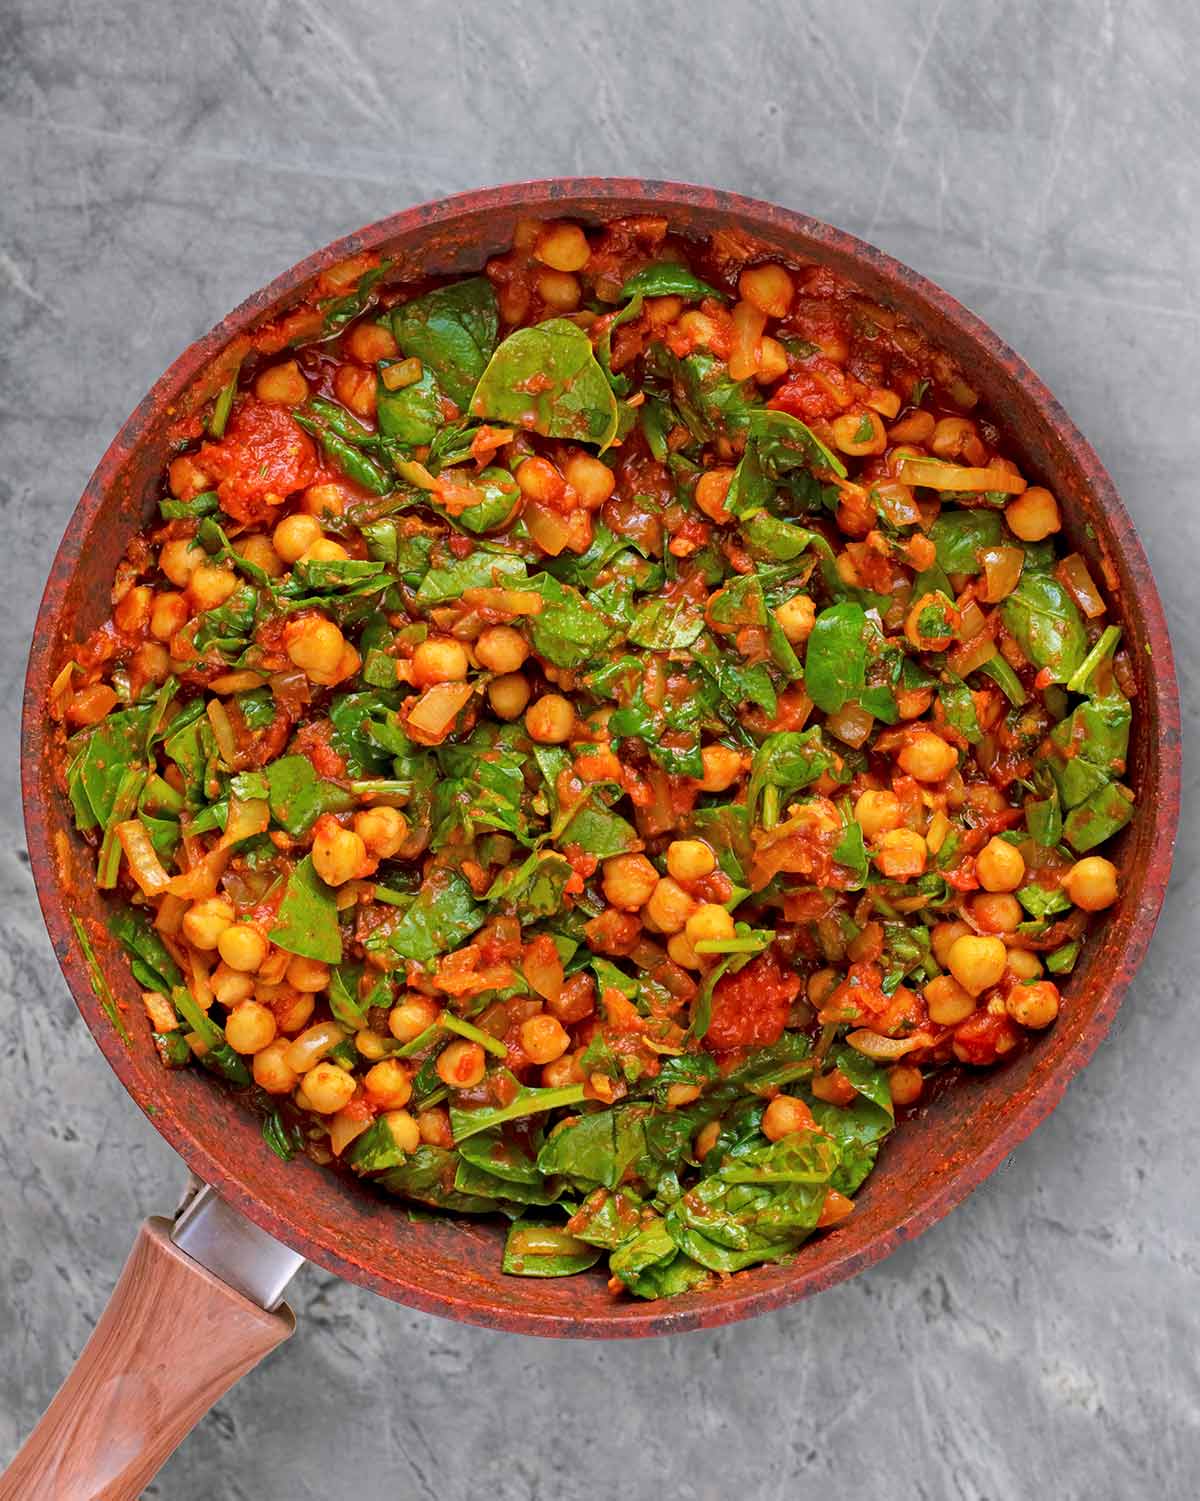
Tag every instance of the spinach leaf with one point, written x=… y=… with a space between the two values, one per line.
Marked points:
x=667 y=279
x=597 y=1149
x=307 y=922
x=960 y=536
x=452 y=331
x=342 y=310
x=100 y=761
x=547 y=379
x=569 y=629
x=666 y=624
x=959 y=708
x=788 y=760
x=501 y=1157
x=835 y=663
x=468 y=1122
x=151 y=963
x=298 y=796
x=599 y=832
x=444 y=914
x=498 y=497
x=535 y=1249
x=1047 y=624
x=365 y=734
x=1098 y=817
x=412 y=414
x=481 y=570
x=651 y=1266
x=217 y=1056
x=535 y=888
x=607 y=1218
x=784 y=443
x=427 y=1175
x=708 y=400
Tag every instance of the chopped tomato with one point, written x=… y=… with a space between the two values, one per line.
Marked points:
x=750 y=1008
x=262 y=459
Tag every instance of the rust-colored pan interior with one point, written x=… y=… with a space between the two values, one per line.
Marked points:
x=452 y=1266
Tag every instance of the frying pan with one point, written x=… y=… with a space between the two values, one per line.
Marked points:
x=177 y=1336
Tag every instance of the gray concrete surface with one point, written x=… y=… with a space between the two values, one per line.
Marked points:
x=1038 y=159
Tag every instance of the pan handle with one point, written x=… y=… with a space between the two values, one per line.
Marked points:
x=172 y=1340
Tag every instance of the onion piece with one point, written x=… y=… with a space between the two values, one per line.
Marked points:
x=542 y=968
x=940 y=476
x=547 y=527
x=311 y=1046
x=144 y=864
x=1001 y=570
x=438 y=707
x=169 y=917
x=1072 y=573
x=851 y=724
x=242 y=681
x=246 y=818
x=507 y=601
x=971 y=654
x=884 y=1049
x=222 y=728
x=749 y=324
x=201 y=880
x=344 y=1127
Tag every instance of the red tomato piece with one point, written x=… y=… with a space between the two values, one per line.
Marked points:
x=263 y=454
x=750 y=1007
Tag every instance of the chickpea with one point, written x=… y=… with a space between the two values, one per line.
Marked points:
x=168 y=615
x=917 y=427
x=315 y=645
x=928 y=758
x=944 y=937
x=243 y=946
x=905 y=1083
x=722 y=767
x=859 y=433
x=543 y=1038
x=370 y=342
x=132 y=610
x=211 y=585
x=680 y=951
x=977 y=963
x=784 y=1116
x=440 y=659
x=669 y=906
x=550 y=719
x=508 y=695
x=1033 y=515
x=179 y=559
x=501 y=649
x=1033 y=1006
x=250 y=1027
x=711 y=489
x=706 y=1140
x=307 y=975
x=997 y=911
x=371 y=1045
x=877 y=813
x=230 y=985
x=629 y=882
x=294 y=535
x=151 y=662
x=559 y=290
x=769 y=288
x=796 y=617
x=272 y=1071
x=690 y=859
x=772 y=361
x=258 y=550
x=388 y=1084
x=681 y=1094
x=325 y=550
x=948 y=1002
x=1024 y=964
x=412 y=1016
x=382 y=830
x=539 y=480
x=293 y=1010
x=323 y=500
x=338 y=855
x=404 y=1128
x=1091 y=883
x=709 y=923
x=205 y=921
x=563 y=1071
x=186 y=478
x=328 y=1088
x=91 y=704
x=1000 y=866
x=951 y=436
x=355 y=388
x=901 y=854
x=461 y=1064
x=562 y=247
x=592 y=480
x=282 y=384
x=434 y=1126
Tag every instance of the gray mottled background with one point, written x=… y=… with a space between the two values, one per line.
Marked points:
x=1039 y=160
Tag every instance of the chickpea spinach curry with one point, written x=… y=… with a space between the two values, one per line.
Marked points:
x=588 y=740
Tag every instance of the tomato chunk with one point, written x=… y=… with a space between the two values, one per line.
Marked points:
x=750 y=1008
x=262 y=459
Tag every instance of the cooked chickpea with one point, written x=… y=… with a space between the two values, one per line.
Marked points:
x=258 y=550
x=325 y=550
x=1024 y=964
x=230 y=985
x=338 y=855
x=355 y=388
x=388 y=1084
x=563 y=1071
x=250 y=1027
x=412 y=1016
x=681 y=952
x=179 y=559
x=784 y=1116
x=859 y=433
x=550 y=719
x=681 y=1094
x=901 y=854
x=944 y=937
x=769 y=288
x=997 y=911
x=508 y=695
x=168 y=615
x=947 y=1001
x=205 y=921
x=1033 y=515
x=629 y=882
x=371 y=1045
x=669 y=906
x=404 y=1128
x=711 y=489
x=323 y=500
x=283 y=384
x=461 y=1064
x=132 y=611
x=315 y=645
x=543 y=1039
x=1000 y=866
x=382 y=830
x=772 y=361
x=440 y=659
x=690 y=859
x=243 y=946
x=151 y=662
x=294 y=535
x=307 y=975
x=501 y=649
x=562 y=247
x=1091 y=883
x=709 y=923
x=186 y=478
x=977 y=963
x=91 y=704
x=293 y=1010
x=928 y=758
x=434 y=1126
x=905 y=1083
x=796 y=617
x=538 y=479
x=706 y=1139
x=592 y=480
x=328 y=1088
x=877 y=812
x=369 y=343
x=272 y=1071
x=1034 y=1005
x=559 y=290
x=210 y=586
x=722 y=767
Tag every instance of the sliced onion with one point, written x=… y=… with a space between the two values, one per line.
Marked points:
x=749 y=323
x=939 y=476
x=144 y=864
x=851 y=724
x=237 y=682
x=311 y=1046
x=971 y=654
x=884 y=1049
x=438 y=707
x=1073 y=574
x=247 y=817
x=547 y=527
x=201 y=880
x=545 y=1240
x=1001 y=570
x=169 y=917
x=972 y=620
x=543 y=968
x=222 y=728
x=506 y=601
x=344 y=1127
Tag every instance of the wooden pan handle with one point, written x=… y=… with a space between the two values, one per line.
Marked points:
x=172 y=1340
